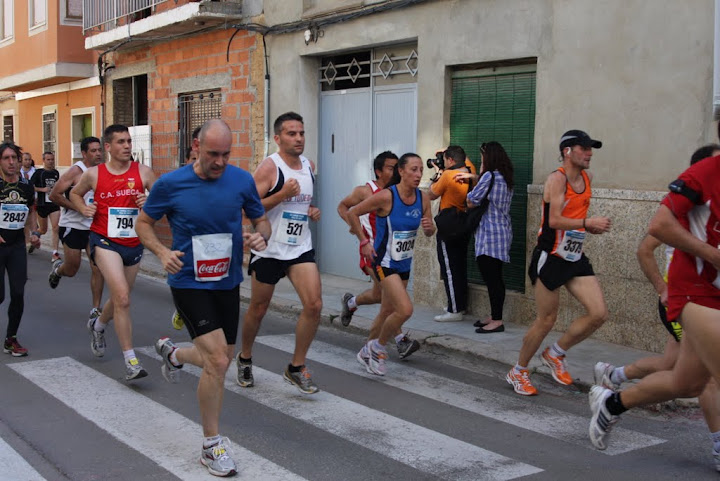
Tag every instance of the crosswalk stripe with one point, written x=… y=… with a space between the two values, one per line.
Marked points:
x=512 y=409
x=408 y=443
x=155 y=431
x=14 y=466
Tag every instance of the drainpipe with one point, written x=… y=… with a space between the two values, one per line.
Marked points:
x=266 y=121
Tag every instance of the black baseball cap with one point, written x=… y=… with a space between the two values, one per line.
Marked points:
x=578 y=137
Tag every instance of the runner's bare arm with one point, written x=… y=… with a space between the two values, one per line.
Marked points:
x=88 y=181
x=665 y=227
x=555 y=194
x=427 y=224
x=144 y=227
x=358 y=194
x=258 y=239
x=265 y=177
x=380 y=203
x=67 y=180
x=649 y=266
x=148 y=180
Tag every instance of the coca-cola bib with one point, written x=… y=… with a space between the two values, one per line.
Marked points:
x=212 y=254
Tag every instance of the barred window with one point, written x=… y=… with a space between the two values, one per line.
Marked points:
x=194 y=109
x=8 y=130
x=49 y=132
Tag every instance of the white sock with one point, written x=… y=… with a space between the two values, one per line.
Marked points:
x=364 y=351
x=557 y=351
x=399 y=337
x=173 y=358
x=99 y=326
x=211 y=441
x=519 y=368
x=715 y=437
x=377 y=346
x=618 y=375
x=352 y=302
x=129 y=354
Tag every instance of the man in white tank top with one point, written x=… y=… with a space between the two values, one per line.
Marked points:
x=285 y=184
x=75 y=227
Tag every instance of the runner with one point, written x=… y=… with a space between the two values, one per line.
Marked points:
x=119 y=187
x=26 y=171
x=400 y=209
x=285 y=183
x=558 y=260
x=191 y=155
x=44 y=179
x=75 y=227
x=16 y=197
x=686 y=220
x=384 y=166
x=205 y=269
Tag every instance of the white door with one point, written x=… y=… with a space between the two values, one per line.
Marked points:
x=345 y=162
x=395 y=119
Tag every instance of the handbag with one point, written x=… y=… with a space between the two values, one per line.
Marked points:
x=451 y=223
x=474 y=214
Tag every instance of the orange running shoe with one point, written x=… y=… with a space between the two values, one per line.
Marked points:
x=557 y=367
x=520 y=381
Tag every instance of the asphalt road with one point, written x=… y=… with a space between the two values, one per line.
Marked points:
x=66 y=415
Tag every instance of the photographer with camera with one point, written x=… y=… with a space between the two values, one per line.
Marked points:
x=452 y=241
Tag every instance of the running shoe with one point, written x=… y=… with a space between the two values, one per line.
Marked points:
x=407 y=346
x=165 y=347
x=557 y=367
x=376 y=361
x=97 y=338
x=95 y=313
x=217 y=459
x=363 y=359
x=716 y=460
x=602 y=421
x=602 y=372
x=347 y=313
x=55 y=257
x=520 y=381
x=13 y=347
x=244 y=373
x=301 y=380
x=133 y=370
x=177 y=321
x=54 y=277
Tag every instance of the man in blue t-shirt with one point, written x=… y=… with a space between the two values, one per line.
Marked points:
x=204 y=203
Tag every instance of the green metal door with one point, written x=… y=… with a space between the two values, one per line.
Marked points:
x=499 y=105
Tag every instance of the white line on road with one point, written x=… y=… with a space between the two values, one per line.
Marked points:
x=162 y=435
x=407 y=443
x=514 y=410
x=14 y=466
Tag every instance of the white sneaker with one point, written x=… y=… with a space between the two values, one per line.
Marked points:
x=450 y=317
x=602 y=421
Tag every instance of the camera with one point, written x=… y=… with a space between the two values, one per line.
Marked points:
x=438 y=161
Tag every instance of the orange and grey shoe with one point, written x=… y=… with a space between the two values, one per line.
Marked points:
x=520 y=381
x=557 y=367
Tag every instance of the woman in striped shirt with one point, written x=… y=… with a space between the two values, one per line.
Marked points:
x=494 y=233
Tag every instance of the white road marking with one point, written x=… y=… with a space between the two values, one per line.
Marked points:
x=14 y=466
x=511 y=409
x=156 y=432
x=407 y=443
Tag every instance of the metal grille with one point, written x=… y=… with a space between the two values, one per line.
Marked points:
x=8 y=132
x=49 y=129
x=354 y=71
x=105 y=14
x=194 y=110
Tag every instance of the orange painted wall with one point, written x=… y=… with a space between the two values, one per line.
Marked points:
x=29 y=128
x=58 y=43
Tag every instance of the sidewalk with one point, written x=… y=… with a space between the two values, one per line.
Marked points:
x=451 y=336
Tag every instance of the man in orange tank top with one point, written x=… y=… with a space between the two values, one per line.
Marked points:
x=558 y=260
x=119 y=187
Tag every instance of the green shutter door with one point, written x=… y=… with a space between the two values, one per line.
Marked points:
x=499 y=106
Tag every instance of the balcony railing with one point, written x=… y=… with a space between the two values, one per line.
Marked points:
x=107 y=14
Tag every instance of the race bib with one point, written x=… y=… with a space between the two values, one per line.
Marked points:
x=403 y=244
x=13 y=216
x=212 y=254
x=49 y=183
x=121 y=221
x=571 y=247
x=293 y=228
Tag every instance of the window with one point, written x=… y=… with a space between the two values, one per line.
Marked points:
x=37 y=12
x=130 y=101
x=193 y=110
x=8 y=131
x=6 y=10
x=82 y=124
x=73 y=9
x=49 y=131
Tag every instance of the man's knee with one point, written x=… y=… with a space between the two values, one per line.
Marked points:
x=70 y=266
x=121 y=300
x=217 y=363
x=598 y=316
x=313 y=307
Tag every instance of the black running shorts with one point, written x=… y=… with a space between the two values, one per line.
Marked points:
x=269 y=271
x=74 y=238
x=555 y=272
x=673 y=327
x=205 y=310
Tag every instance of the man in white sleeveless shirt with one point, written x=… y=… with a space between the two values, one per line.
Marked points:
x=74 y=227
x=285 y=184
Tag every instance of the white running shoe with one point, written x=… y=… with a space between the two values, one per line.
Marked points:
x=602 y=421
x=377 y=359
x=217 y=459
x=602 y=373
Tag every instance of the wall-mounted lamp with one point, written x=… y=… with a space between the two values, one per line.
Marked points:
x=312 y=34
